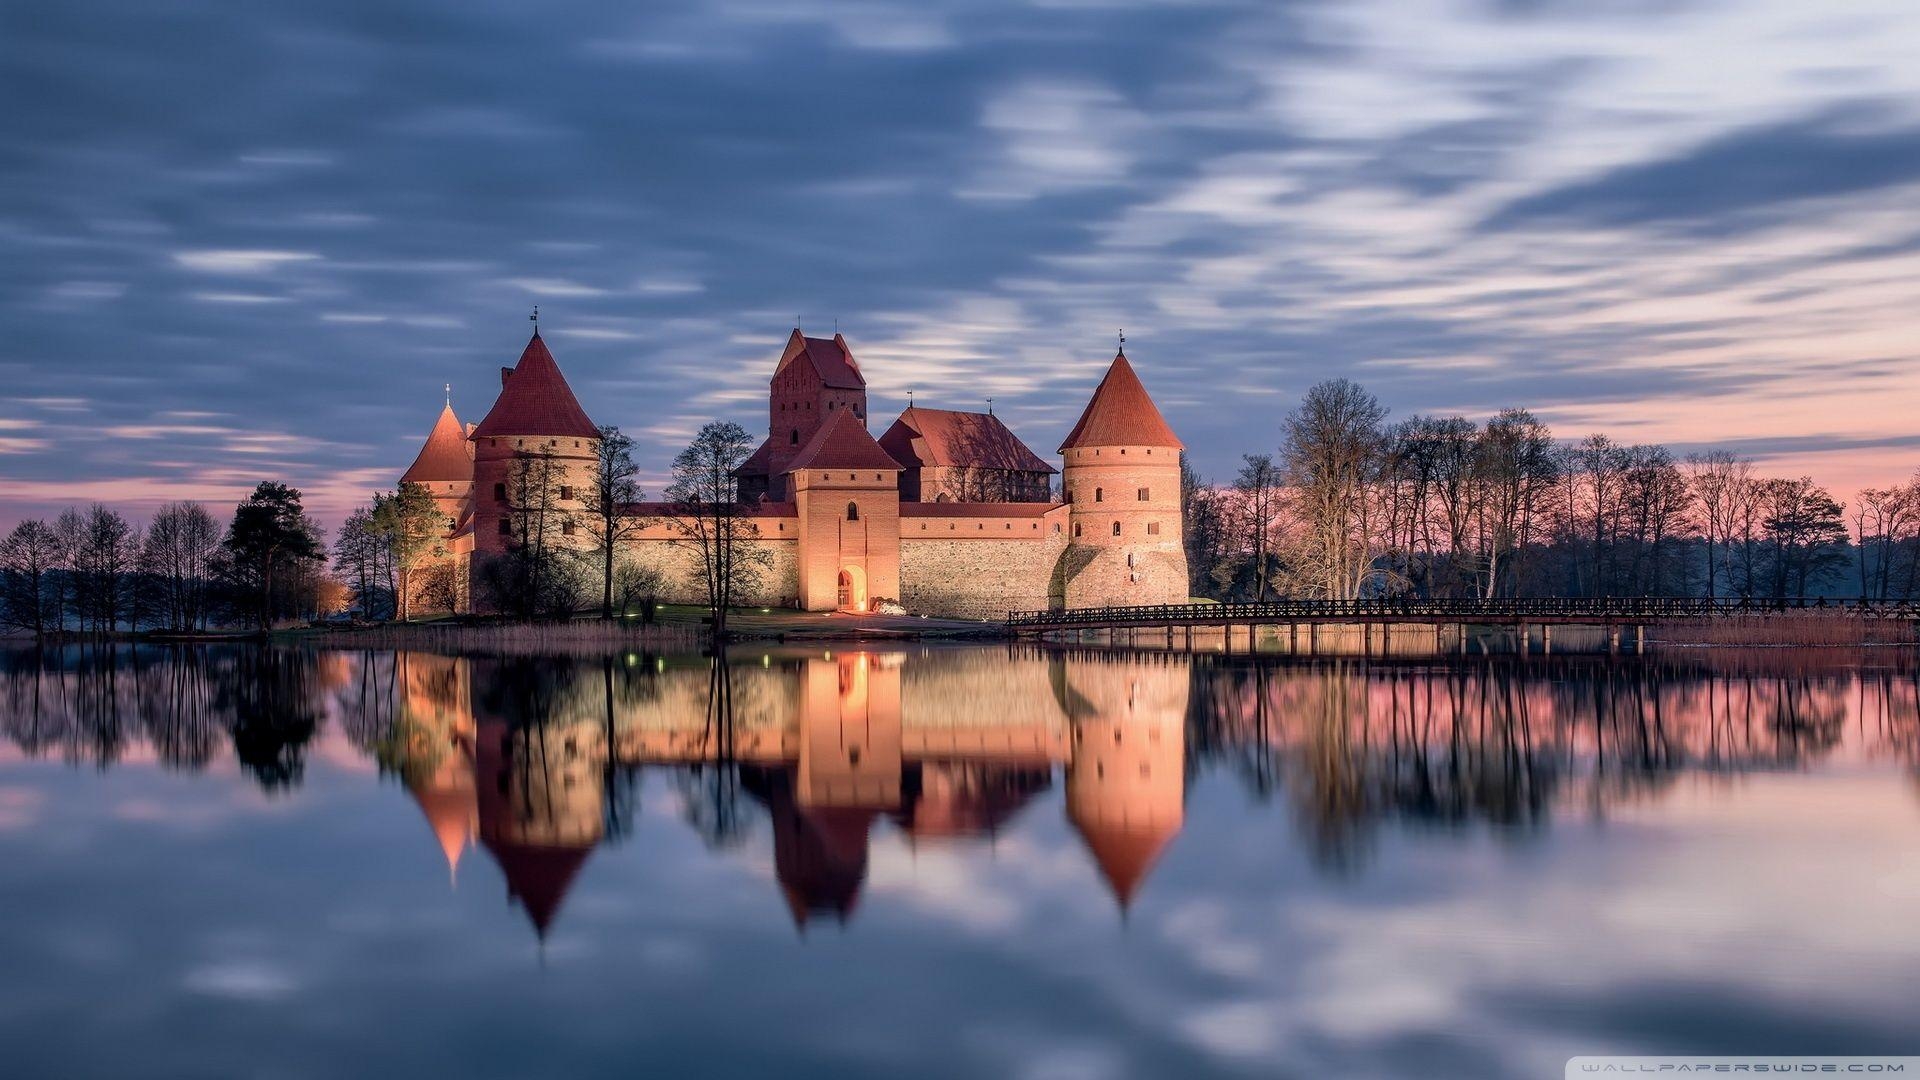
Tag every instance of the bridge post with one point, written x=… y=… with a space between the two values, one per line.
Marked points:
x=1613 y=641
x=1189 y=637
x=1313 y=639
x=1226 y=636
x=1546 y=639
x=1640 y=639
x=1526 y=635
x=1169 y=637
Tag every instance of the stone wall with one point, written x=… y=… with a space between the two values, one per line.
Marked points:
x=977 y=577
x=679 y=562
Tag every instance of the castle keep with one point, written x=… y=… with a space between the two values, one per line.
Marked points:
x=947 y=512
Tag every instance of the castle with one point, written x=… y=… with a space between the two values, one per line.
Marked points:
x=835 y=751
x=946 y=513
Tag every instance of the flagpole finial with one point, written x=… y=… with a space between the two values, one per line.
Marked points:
x=535 y=318
x=449 y=390
x=1123 y=343
x=989 y=406
x=909 y=399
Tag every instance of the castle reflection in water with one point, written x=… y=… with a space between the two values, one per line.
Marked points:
x=535 y=760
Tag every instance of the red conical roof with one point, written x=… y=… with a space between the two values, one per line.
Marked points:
x=842 y=443
x=445 y=455
x=1125 y=852
x=538 y=877
x=536 y=400
x=1121 y=414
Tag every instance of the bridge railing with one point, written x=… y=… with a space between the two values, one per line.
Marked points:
x=1647 y=608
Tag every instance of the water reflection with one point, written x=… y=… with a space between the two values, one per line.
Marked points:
x=539 y=761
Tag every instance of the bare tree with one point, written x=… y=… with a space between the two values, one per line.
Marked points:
x=30 y=559
x=609 y=497
x=712 y=521
x=1721 y=484
x=1256 y=514
x=177 y=560
x=1330 y=455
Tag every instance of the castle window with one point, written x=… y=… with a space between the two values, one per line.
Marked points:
x=505 y=526
x=793 y=437
x=1123 y=451
x=1099 y=495
x=1076 y=528
x=1056 y=529
x=1143 y=494
x=1153 y=528
x=1129 y=560
x=566 y=491
x=853 y=511
x=1116 y=528
x=566 y=527
x=499 y=493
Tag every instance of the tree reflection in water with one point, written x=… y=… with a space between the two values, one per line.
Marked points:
x=539 y=760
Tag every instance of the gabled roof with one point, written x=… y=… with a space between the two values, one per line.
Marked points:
x=1121 y=414
x=842 y=443
x=830 y=357
x=445 y=456
x=536 y=400
x=758 y=463
x=966 y=439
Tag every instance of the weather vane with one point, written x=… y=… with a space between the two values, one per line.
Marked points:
x=909 y=399
x=1123 y=341
x=449 y=389
x=989 y=406
x=535 y=317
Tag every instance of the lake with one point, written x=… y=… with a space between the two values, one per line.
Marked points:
x=960 y=861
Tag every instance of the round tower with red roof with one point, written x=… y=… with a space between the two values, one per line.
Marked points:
x=1126 y=544
x=536 y=421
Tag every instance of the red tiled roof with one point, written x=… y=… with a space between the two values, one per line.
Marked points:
x=445 y=456
x=842 y=443
x=970 y=510
x=536 y=400
x=539 y=877
x=1121 y=414
x=1125 y=853
x=758 y=463
x=830 y=357
x=966 y=439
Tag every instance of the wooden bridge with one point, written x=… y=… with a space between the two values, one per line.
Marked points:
x=1521 y=614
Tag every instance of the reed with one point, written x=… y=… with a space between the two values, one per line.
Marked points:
x=1811 y=628
x=525 y=639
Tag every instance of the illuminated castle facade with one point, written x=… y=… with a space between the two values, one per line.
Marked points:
x=947 y=513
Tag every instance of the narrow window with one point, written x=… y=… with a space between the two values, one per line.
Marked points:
x=566 y=527
x=499 y=493
x=853 y=511
x=1099 y=495
x=1153 y=528
x=1076 y=528
x=505 y=527
x=566 y=491
x=793 y=437
x=1143 y=494
x=1116 y=528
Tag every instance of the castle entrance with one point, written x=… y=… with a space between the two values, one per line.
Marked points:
x=853 y=589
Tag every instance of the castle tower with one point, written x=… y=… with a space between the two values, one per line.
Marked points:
x=1126 y=544
x=847 y=495
x=815 y=379
x=445 y=466
x=535 y=428
x=1126 y=779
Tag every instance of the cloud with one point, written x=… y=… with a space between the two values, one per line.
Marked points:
x=236 y=261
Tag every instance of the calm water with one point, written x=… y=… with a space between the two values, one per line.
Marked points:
x=958 y=862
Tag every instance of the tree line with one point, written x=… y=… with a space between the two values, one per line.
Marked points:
x=1351 y=505
x=92 y=572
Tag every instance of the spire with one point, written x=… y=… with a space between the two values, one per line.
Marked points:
x=1121 y=414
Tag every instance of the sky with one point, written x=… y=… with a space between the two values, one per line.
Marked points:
x=253 y=241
